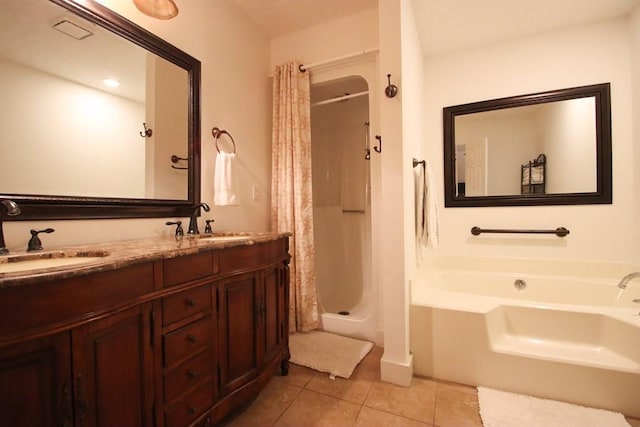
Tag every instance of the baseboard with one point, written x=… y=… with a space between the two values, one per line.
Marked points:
x=397 y=373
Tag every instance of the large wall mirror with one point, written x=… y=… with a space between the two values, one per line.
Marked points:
x=549 y=148
x=99 y=117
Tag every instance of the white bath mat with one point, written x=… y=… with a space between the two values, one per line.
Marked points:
x=503 y=409
x=327 y=352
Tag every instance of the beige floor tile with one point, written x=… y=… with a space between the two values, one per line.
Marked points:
x=354 y=389
x=416 y=402
x=370 y=417
x=270 y=404
x=298 y=375
x=315 y=409
x=457 y=406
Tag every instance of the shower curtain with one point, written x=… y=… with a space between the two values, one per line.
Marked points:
x=291 y=200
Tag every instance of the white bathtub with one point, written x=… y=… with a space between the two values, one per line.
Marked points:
x=571 y=334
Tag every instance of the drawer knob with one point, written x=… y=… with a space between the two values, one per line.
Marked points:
x=192 y=410
x=190 y=302
x=192 y=374
x=192 y=338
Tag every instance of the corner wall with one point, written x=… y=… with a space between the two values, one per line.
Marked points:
x=596 y=53
x=634 y=24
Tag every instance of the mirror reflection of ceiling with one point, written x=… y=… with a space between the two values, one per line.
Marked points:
x=444 y=25
x=28 y=37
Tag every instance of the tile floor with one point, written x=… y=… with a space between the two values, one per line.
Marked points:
x=309 y=398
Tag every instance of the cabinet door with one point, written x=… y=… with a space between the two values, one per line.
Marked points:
x=237 y=324
x=272 y=301
x=35 y=383
x=113 y=370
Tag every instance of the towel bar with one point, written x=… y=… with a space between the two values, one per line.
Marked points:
x=560 y=231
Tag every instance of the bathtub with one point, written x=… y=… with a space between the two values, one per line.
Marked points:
x=566 y=332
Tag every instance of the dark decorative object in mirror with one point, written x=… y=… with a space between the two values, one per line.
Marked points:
x=488 y=147
x=40 y=205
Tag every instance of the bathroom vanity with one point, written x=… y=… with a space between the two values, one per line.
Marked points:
x=156 y=332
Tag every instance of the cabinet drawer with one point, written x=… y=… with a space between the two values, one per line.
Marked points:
x=188 y=374
x=188 y=409
x=244 y=258
x=189 y=267
x=180 y=306
x=187 y=340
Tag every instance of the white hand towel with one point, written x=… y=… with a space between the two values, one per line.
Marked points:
x=431 y=208
x=426 y=215
x=224 y=193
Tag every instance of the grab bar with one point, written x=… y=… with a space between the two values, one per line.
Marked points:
x=560 y=231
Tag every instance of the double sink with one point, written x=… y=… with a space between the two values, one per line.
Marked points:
x=63 y=259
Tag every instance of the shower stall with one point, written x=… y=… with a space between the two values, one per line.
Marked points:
x=340 y=140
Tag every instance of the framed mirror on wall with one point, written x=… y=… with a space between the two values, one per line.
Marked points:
x=547 y=148
x=100 y=118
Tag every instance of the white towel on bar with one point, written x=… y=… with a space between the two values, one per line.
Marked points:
x=223 y=192
x=427 y=221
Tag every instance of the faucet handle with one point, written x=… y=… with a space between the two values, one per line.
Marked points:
x=207 y=227
x=179 y=229
x=35 y=244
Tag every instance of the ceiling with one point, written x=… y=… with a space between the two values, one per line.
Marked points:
x=444 y=25
x=279 y=17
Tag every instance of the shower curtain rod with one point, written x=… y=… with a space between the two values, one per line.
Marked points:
x=340 y=98
x=303 y=68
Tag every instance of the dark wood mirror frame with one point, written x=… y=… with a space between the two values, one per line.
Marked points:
x=603 y=193
x=62 y=207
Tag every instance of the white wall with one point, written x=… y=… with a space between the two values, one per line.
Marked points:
x=344 y=36
x=635 y=81
x=235 y=95
x=578 y=56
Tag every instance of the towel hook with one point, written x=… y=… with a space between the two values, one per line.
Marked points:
x=378 y=149
x=147 y=132
x=390 y=90
x=217 y=133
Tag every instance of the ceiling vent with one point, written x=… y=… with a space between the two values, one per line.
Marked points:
x=71 y=29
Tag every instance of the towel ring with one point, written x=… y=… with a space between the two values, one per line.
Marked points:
x=217 y=133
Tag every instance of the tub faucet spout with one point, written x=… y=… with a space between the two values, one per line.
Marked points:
x=627 y=278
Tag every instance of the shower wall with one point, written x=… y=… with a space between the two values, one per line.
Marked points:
x=341 y=202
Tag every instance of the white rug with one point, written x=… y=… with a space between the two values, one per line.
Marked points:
x=502 y=409
x=327 y=352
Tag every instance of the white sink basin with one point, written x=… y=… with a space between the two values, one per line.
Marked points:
x=46 y=260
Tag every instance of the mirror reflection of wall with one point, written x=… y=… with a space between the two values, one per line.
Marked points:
x=65 y=133
x=564 y=130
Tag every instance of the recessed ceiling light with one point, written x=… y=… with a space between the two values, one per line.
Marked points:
x=110 y=82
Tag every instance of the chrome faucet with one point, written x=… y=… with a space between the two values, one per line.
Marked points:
x=627 y=278
x=193 y=220
x=11 y=208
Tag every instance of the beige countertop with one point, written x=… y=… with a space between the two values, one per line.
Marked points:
x=114 y=255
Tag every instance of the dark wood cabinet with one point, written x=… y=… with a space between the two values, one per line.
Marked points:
x=239 y=327
x=113 y=370
x=176 y=342
x=35 y=383
x=77 y=378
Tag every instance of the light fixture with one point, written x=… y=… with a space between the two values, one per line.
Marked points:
x=110 y=82
x=161 y=9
